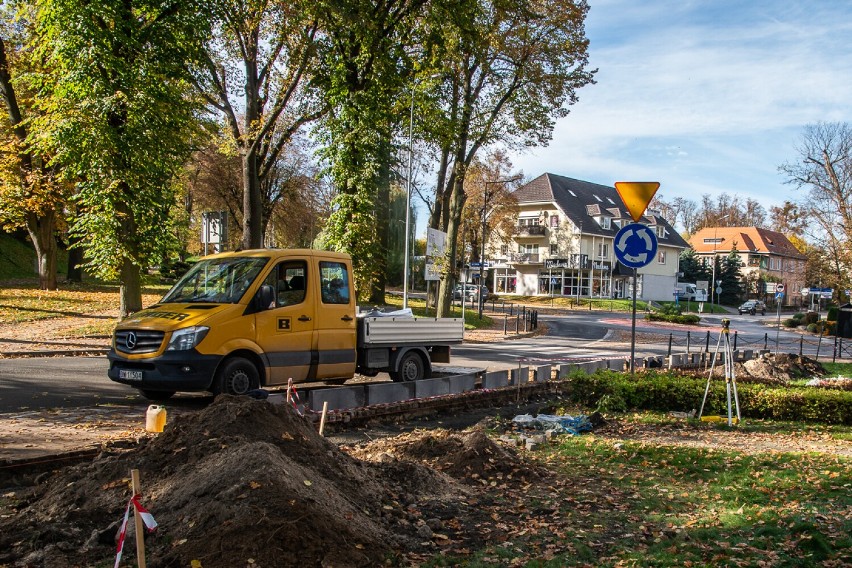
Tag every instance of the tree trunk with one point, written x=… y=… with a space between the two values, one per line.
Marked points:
x=75 y=260
x=131 y=289
x=379 y=280
x=252 y=204
x=457 y=200
x=41 y=230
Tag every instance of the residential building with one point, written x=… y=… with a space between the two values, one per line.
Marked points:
x=767 y=258
x=563 y=245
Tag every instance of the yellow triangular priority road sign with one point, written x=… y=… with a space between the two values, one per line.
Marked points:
x=636 y=195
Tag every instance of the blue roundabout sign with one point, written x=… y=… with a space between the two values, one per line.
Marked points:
x=635 y=245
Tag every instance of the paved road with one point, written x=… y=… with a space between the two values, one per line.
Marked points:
x=66 y=382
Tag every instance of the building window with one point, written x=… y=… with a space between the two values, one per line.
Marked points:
x=606 y=222
x=527 y=249
x=661 y=231
x=554 y=250
x=661 y=257
x=603 y=250
x=714 y=241
x=506 y=281
x=504 y=250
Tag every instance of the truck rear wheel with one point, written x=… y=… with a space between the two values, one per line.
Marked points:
x=236 y=376
x=411 y=368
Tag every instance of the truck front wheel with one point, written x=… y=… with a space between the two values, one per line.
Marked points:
x=237 y=376
x=411 y=368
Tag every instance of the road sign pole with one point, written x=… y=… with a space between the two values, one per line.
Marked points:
x=633 y=332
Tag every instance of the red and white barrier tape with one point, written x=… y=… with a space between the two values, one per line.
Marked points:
x=147 y=518
x=293 y=396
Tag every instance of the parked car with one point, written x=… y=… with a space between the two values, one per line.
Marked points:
x=752 y=307
x=472 y=291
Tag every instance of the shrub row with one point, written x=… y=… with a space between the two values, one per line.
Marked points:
x=610 y=391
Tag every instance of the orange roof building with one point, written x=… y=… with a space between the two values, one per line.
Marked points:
x=767 y=257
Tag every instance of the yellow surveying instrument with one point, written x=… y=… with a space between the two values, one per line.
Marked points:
x=730 y=378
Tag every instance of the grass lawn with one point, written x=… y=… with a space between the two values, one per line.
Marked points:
x=629 y=503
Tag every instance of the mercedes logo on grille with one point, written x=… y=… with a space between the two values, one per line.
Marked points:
x=130 y=341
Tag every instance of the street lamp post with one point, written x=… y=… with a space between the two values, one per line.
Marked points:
x=484 y=218
x=714 y=299
x=408 y=192
x=408 y=202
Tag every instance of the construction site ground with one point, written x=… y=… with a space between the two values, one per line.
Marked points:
x=239 y=482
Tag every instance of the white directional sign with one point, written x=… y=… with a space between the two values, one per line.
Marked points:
x=635 y=245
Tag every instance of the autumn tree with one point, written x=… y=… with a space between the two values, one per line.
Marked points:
x=823 y=173
x=510 y=71
x=117 y=115
x=255 y=76
x=31 y=196
x=365 y=68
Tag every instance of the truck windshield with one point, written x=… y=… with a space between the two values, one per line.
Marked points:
x=217 y=280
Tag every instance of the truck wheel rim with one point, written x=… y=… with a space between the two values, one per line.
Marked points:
x=409 y=370
x=239 y=382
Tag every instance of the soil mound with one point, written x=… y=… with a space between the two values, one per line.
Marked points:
x=783 y=367
x=242 y=479
x=469 y=456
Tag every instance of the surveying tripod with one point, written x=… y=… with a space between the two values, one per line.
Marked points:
x=730 y=378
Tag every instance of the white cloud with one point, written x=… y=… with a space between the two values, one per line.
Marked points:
x=711 y=95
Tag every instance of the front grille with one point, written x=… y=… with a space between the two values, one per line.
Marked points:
x=138 y=340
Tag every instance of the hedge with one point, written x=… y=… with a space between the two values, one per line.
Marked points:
x=612 y=391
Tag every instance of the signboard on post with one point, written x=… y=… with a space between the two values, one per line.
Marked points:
x=436 y=248
x=635 y=244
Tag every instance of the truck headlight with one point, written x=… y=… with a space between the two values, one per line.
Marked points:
x=188 y=338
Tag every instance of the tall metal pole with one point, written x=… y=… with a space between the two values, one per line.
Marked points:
x=408 y=201
x=482 y=256
x=633 y=331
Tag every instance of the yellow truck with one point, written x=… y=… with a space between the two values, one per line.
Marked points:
x=239 y=321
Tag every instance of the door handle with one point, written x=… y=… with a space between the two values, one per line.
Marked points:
x=347 y=317
x=304 y=318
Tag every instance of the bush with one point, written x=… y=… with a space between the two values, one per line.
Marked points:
x=810 y=317
x=790 y=322
x=832 y=313
x=798 y=317
x=661 y=391
x=673 y=318
x=812 y=327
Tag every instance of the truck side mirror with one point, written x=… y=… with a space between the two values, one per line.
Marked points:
x=265 y=298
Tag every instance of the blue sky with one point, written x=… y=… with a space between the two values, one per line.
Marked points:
x=705 y=97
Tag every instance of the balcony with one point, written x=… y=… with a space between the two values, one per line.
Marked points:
x=530 y=231
x=524 y=258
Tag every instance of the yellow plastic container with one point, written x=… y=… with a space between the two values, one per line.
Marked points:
x=155 y=418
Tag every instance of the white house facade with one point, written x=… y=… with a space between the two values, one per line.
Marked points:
x=563 y=245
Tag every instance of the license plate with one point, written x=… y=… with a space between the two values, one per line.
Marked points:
x=130 y=375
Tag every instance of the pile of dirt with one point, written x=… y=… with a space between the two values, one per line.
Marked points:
x=772 y=369
x=783 y=367
x=246 y=479
x=470 y=456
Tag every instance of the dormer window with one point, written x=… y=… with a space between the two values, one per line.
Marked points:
x=606 y=222
x=661 y=231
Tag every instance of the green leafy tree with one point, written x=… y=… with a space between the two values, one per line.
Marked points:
x=692 y=267
x=510 y=70
x=255 y=75
x=729 y=277
x=365 y=68
x=118 y=116
x=31 y=196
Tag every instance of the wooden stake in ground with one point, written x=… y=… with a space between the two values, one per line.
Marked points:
x=136 y=487
x=322 y=418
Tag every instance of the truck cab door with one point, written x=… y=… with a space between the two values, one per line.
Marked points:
x=286 y=330
x=335 y=329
